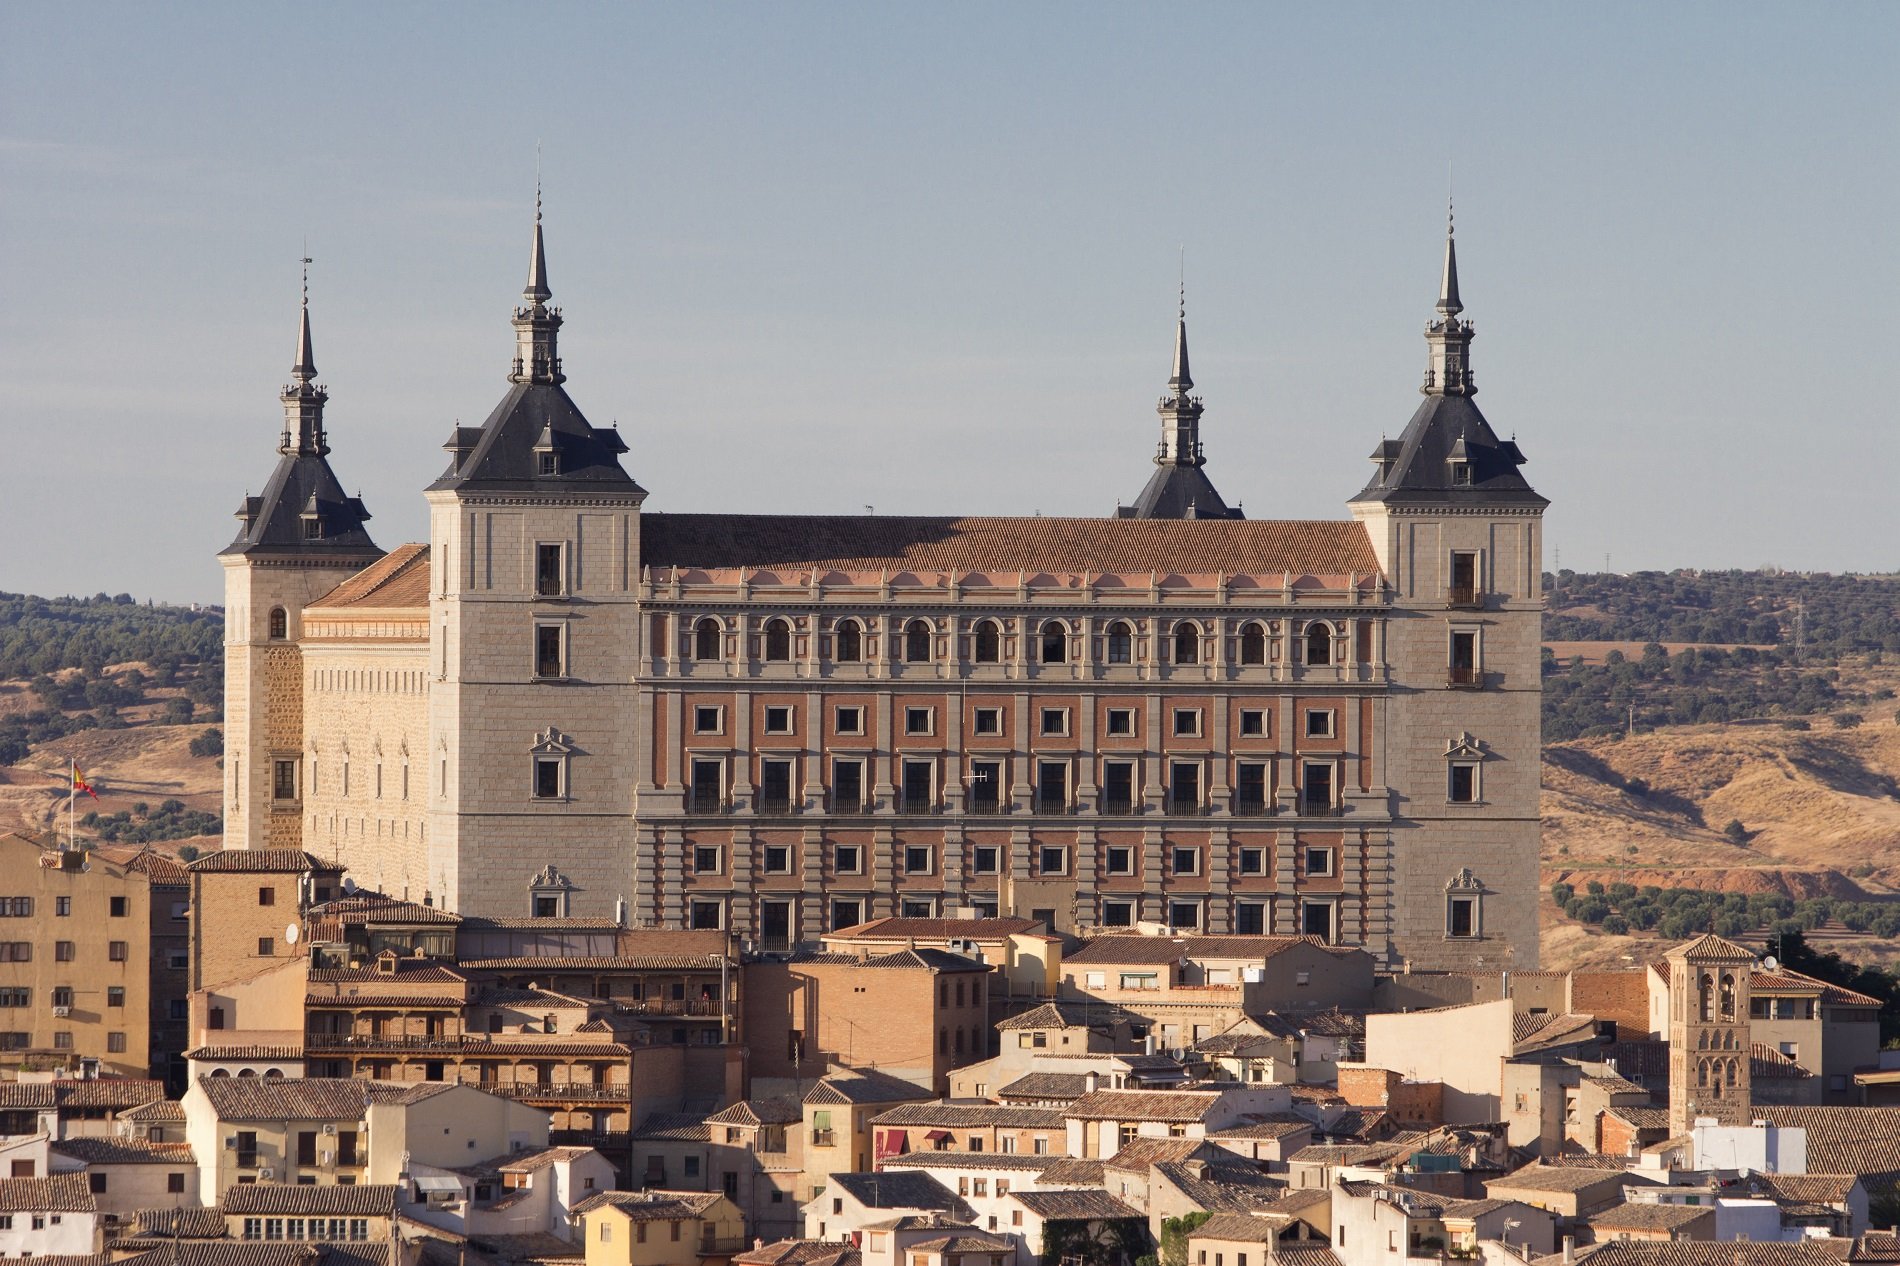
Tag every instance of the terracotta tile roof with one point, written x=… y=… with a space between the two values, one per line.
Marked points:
x=965 y=1160
x=488 y=923
x=360 y=910
x=1244 y=1227
x=161 y=870
x=1073 y=1169
x=309 y=1098
x=1710 y=1253
x=1827 y=1189
x=1043 y=1087
x=653 y=1204
x=157 y=1112
x=968 y=1242
x=271 y=861
x=905 y=543
x=107 y=1092
x=1541 y=1177
x=800 y=1253
x=191 y=1224
x=1783 y=981
x=1345 y=1153
x=900 y=1189
x=899 y=929
x=1305 y=1253
x=682 y=1127
x=867 y=1086
x=635 y=962
x=23 y=1096
x=1143 y=1105
x=1649 y=1217
x=1277 y=1125
x=61 y=1193
x=1361 y=1123
x=1846 y=1140
x=1642 y=1118
x=367 y=1200
x=1074 y=1206
x=1067 y=1014
x=1715 y=948
x=1221 y=1188
x=757 y=1112
x=216 y=1054
x=1549 y=1032
x=407 y=971
x=1117 y=948
x=970 y=1116
x=1137 y=1154
x=399 y=578
x=1877 y=1246
x=115 y=1151
x=231 y=1253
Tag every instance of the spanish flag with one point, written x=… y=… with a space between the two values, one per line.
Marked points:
x=80 y=784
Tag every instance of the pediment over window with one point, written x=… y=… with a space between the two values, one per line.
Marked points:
x=551 y=742
x=550 y=880
x=1464 y=747
x=1465 y=881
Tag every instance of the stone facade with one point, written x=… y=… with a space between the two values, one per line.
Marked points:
x=782 y=726
x=1710 y=1048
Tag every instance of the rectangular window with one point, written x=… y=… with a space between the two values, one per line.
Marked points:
x=550 y=576
x=706 y=859
x=63 y=996
x=1187 y=723
x=283 y=780
x=708 y=720
x=1319 y=861
x=63 y=906
x=1463 y=589
x=1118 y=786
x=266 y=947
x=708 y=786
x=1462 y=917
x=174 y=1183
x=1463 y=783
x=778 y=720
x=266 y=896
x=96 y=1182
x=1319 y=723
x=62 y=1041
x=918 y=720
x=115 y=995
x=847 y=786
x=1054 y=722
x=987 y=722
x=1253 y=722
x=1316 y=787
x=1464 y=669
x=986 y=786
x=775 y=786
x=550 y=650
x=1253 y=861
x=1052 y=859
x=64 y=951
x=1052 y=786
x=986 y=859
x=918 y=781
x=547 y=777
x=306 y=1147
x=846 y=912
x=116 y=907
x=705 y=915
x=847 y=859
x=778 y=859
x=1250 y=788
x=1187 y=860
x=1316 y=919
x=1118 y=859
x=1250 y=918
x=1184 y=787
x=1184 y=914
x=917 y=859
x=1121 y=722
x=850 y=720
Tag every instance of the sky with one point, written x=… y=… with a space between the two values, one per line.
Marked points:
x=819 y=257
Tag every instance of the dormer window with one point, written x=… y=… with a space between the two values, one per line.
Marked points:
x=312 y=528
x=550 y=463
x=1461 y=474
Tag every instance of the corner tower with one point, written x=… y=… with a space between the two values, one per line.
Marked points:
x=295 y=542
x=1457 y=532
x=1179 y=488
x=534 y=641
x=1709 y=1042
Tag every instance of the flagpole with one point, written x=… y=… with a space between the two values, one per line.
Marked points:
x=72 y=798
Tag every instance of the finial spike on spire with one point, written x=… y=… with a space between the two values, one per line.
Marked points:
x=304 y=368
x=536 y=291
x=1449 y=304
x=1181 y=381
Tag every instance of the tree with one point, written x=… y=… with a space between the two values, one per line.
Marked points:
x=1736 y=833
x=1174 y=1237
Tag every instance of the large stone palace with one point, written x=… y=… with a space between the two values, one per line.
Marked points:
x=561 y=706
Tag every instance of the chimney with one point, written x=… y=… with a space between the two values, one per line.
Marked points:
x=1570 y=1250
x=1148 y=1044
x=1091 y=1082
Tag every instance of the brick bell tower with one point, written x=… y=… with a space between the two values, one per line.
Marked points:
x=1708 y=1033
x=296 y=542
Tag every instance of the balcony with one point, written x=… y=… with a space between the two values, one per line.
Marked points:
x=1177 y=807
x=1315 y=807
x=532 y=1092
x=1254 y=806
x=985 y=805
x=823 y=1138
x=701 y=804
x=1464 y=597
x=1464 y=677
x=1049 y=806
x=703 y=1007
x=775 y=804
x=916 y=804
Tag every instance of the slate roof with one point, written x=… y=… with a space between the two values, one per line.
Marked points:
x=896 y=543
x=956 y=1116
x=1134 y=950
x=500 y=456
x=901 y=1189
x=1074 y=1206
x=272 y=524
x=1179 y=491
x=116 y=1151
x=1420 y=466
x=366 y=1200
x=865 y=1086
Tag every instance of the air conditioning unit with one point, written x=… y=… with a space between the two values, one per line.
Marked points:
x=230 y=1144
x=329 y=1128
x=266 y=1174
x=62 y=1012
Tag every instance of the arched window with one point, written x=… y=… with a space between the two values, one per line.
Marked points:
x=849 y=648
x=778 y=640
x=1121 y=643
x=1253 y=644
x=706 y=639
x=1187 y=643
x=1702 y=1072
x=220 y=1072
x=1705 y=997
x=1728 y=996
x=1055 y=643
x=247 y=1072
x=917 y=642
x=1319 y=643
x=989 y=643
x=279 y=624
x=269 y=1073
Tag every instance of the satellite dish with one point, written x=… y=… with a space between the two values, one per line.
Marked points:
x=290 y=934
x=1769 y=963
x=349 y=887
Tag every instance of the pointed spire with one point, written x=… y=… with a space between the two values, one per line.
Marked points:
x=537 y=325
x=1448 y=301
x=304 y=368
x=536 y=291
x=1182 y=381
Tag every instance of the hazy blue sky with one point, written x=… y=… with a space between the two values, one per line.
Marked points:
x=818 y=256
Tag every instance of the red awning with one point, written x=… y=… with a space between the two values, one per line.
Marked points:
x=937 y=1136
x=893 y=1143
